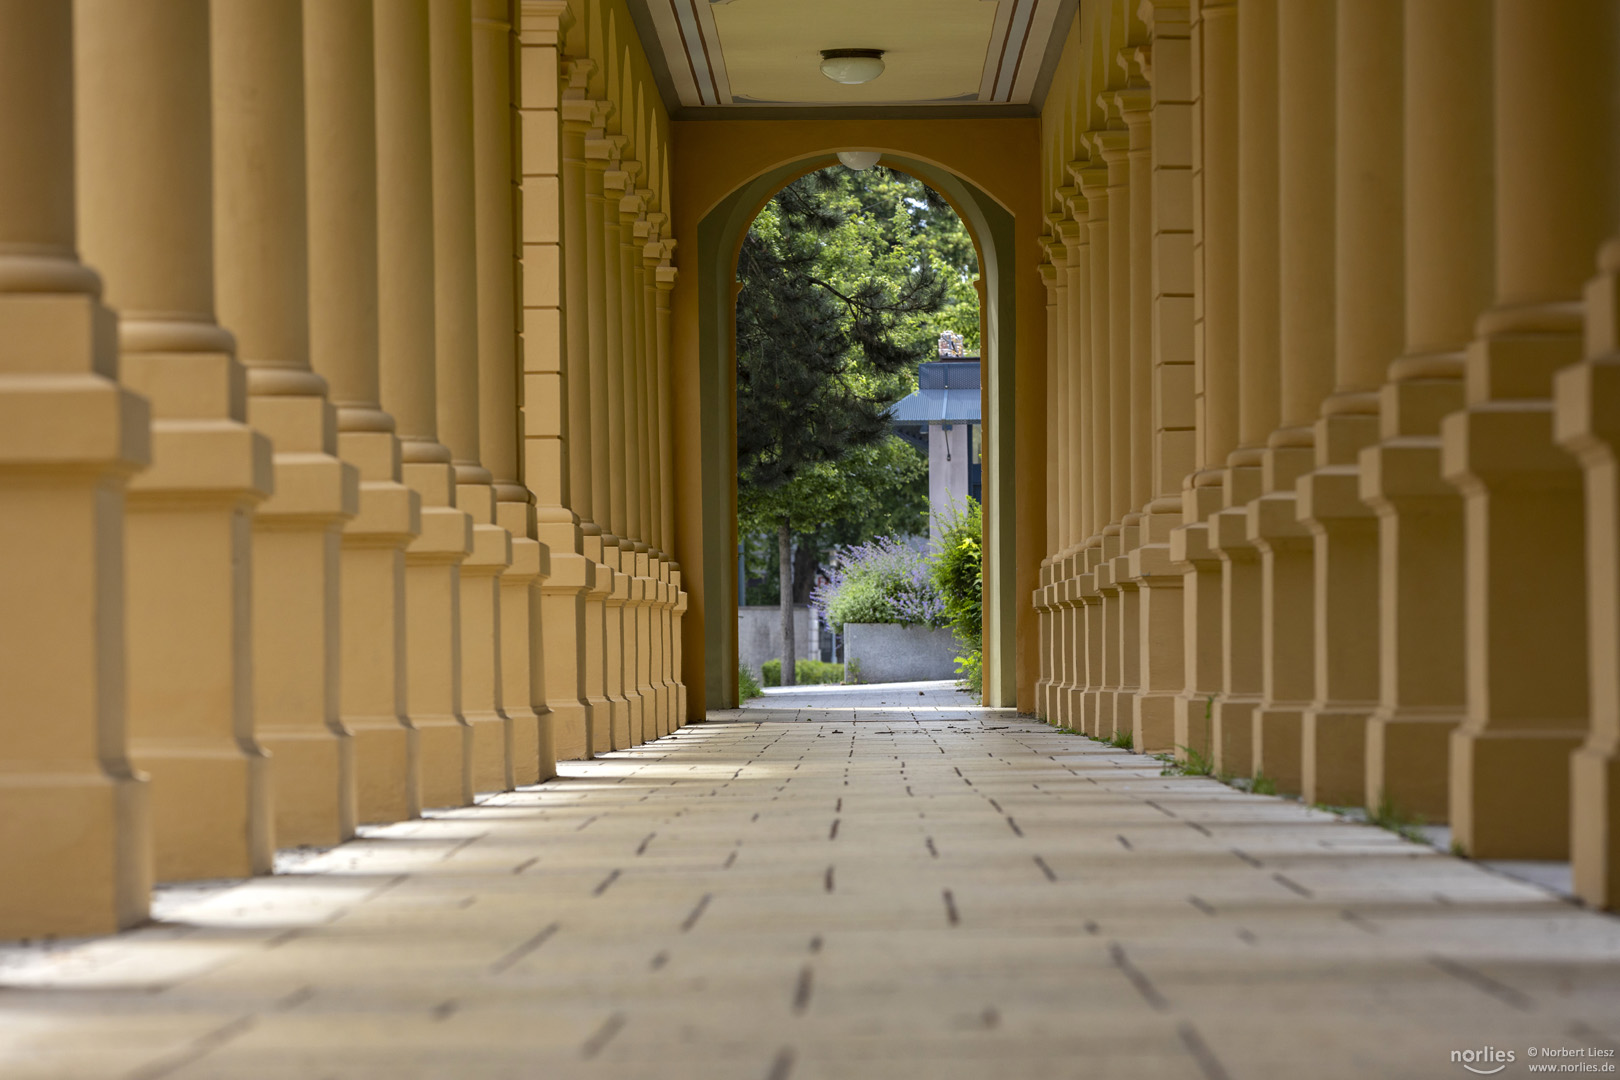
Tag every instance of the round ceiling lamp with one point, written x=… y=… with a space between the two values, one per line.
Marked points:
x=859 y=160
x=852 y=66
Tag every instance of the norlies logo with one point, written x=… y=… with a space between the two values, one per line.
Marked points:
x=1485 y=1057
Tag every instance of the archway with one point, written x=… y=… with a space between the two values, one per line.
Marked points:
x=704 y=339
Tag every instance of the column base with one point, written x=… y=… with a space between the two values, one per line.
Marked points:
x=1333 y=749
x=211 y=810
x=1510 y=793
x=445 y=750
x=568 y=731
x=387 y=769
x=1595 y=827
x=1194 y=718
x=1278 y=744
x=1408 y=766
x=1232 y=735
x=315 y=797
x=1153 y=723
x=75 y=853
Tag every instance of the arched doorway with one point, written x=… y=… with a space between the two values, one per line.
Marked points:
x=704 y=348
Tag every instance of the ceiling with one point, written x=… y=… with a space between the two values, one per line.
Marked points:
x=725 y=58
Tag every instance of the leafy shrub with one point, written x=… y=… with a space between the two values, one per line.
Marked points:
x=883 y=581
x=747 y=685
x=958 y=573
x=805 y=672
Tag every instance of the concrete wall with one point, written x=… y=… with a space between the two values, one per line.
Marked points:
x=889 y=652
x=759 y=635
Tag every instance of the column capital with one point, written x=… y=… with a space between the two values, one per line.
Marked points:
x=1093 y=180
x=541 y=22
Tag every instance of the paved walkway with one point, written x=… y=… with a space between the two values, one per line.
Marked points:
x=875 y=891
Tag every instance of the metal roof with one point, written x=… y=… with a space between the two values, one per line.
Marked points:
x=948 y=393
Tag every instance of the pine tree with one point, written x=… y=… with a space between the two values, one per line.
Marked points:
x=821 y=356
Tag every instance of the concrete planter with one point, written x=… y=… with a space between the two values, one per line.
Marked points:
x=890 y=652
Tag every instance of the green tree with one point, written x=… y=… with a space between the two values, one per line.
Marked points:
x=828 y=337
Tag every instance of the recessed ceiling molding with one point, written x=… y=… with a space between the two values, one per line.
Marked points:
x=723 y=58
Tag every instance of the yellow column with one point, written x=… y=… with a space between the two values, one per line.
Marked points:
x=407 y=335
x=261 y=274
x=1187 y=498
x=1229 y=141
x=1125 y=640
x=497 y=180
x=1587 y=398
x=664 y=281
x=1449 y=269
x=651 y=252
x=619 y=195
x=1076 y=580
x=459 y=288
x=555 y=357
x=341 y=162
x=145 y=220
x=1101 y=543
x=649 y=565
x=1305 y=153
x=77 y=849
x=1064 y=687
x=1056 y=504
x=1154 y=657
x=604 y=615
x=1369 y=326
x=1528 y=679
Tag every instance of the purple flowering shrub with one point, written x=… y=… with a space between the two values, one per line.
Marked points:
x=881 y=581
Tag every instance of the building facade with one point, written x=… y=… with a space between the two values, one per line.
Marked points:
x=366 y=421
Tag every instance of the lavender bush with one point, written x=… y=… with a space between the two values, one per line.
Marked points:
x=882 y=581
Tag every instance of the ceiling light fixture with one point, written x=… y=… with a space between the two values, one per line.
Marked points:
x=852 y=66
x=859 y=160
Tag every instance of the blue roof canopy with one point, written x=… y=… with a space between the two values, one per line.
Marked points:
x=947 y=393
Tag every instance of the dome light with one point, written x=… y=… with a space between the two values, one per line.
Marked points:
x=859 y=160
x=852 y=66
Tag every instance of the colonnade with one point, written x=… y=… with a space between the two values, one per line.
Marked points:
x=292 y=537
x=1332 y=407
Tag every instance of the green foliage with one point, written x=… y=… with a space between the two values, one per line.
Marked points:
x=805 y=672
x=1121 y=739
x=877 y=489
x=1262 y=784
x=748 y=686
x=970 y=673
x=1389 y=816
x=852 y=671
x=826 y=339
x=958 y=568
x=1197 y=763
x=884 y=581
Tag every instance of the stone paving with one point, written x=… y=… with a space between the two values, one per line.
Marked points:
x=850 y=883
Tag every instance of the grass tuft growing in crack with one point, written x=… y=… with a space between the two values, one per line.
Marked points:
x=1389 y=816
x=1121 y=740
x=1262 y=784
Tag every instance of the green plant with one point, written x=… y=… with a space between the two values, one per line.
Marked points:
x=805 y=672
x=1121 y=739
x=1197 y=763
x=852 y=671
x=1262 y=784
x=1389 y=816
x=958 y=572
x=748 y=686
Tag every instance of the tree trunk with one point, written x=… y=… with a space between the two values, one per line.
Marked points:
x=784 y=551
